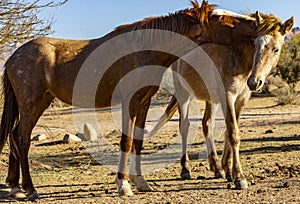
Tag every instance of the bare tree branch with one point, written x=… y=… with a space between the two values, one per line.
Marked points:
x=19 y=20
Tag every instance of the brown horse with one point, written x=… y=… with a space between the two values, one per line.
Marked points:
x=247 y=62
x=45 y=68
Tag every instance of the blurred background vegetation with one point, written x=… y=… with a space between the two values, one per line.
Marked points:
x=284 y=81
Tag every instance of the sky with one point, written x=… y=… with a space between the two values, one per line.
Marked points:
x=86 y=19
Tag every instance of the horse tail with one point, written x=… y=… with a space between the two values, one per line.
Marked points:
x=10 y=114
x=169 y=112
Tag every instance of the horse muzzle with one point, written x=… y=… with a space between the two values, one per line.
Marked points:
x=254 y=84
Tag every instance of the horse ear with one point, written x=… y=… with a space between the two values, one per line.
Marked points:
x=258 y=19
x=195 y=3
x=287 y=26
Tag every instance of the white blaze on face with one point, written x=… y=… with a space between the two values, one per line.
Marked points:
x=268 y=48
x=262 y=61
x=262 y=41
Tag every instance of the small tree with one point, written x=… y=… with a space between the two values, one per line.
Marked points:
x=19 y=20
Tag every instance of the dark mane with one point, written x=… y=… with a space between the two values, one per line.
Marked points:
x=170 y=22
x=175 y=21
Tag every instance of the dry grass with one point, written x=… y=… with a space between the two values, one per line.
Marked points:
x=291 y=98
x=285 y=93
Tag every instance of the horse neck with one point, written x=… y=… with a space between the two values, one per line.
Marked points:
x=219 y=33
x=150 y=31
x=244 y=51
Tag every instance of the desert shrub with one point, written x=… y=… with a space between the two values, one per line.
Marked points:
x=290 y=99
x=288 y=67
x=287 y=73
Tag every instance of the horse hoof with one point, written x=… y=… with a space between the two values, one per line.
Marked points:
x=33 y=196
x=229 y=177
x=220 y=174
x=140 y=183
x=241 y=184
x=185 y=176
x=17 y=193
x=123 y=187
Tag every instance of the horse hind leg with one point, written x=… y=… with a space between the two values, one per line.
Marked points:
x=208 y=124
x=14 y=170
x=29 y=115
x=184 y=124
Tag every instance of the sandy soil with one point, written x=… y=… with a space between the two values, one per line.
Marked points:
x=67 y=173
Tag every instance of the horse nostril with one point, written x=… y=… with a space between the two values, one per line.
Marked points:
x=249 y=83
x=253 y=84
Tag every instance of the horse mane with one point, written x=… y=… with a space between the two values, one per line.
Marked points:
x=229 y=18
x=154 y=23
x=204 y=12
x=229 y=21
x=173 y=21
x=269 y=24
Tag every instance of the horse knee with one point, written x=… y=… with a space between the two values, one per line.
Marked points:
x=234 y=137
x=234 y=141
x=126 y=143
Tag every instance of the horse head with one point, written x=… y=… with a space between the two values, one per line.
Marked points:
x=271 y=33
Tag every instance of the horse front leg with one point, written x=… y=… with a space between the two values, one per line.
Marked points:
x=227 y=158
x=208 y=124
x=234 y=141
x=227 y=154
x=128 y=122
x=135 y=172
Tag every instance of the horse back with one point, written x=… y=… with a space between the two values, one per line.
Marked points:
x=49 y=64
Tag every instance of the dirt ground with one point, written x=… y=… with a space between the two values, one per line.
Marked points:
x=67 y=173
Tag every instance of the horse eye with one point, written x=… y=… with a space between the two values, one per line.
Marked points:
x=275 y=50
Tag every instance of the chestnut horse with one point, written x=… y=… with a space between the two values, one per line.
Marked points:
x=47 y=68
x=243 y=67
